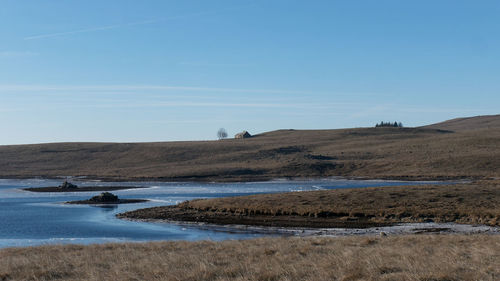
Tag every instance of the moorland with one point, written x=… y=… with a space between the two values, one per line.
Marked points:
x=459 y=148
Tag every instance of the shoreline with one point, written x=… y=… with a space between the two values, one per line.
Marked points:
x=175 y=214
x=81 y=189
x=202 y=179
x=411 y=228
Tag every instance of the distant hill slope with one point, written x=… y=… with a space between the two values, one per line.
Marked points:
x=468 y=123
x=398 y=153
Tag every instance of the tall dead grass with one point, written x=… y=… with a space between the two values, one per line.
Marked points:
x=426 y=257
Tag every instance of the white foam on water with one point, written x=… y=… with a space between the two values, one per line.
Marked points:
x=8 y=243
x=399 y=229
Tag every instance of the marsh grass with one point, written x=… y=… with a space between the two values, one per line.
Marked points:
x=424 y=257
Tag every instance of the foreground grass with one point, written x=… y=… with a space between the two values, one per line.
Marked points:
x=427 y=257
x=471 y=203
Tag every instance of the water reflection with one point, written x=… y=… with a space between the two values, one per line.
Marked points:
x=105 y=208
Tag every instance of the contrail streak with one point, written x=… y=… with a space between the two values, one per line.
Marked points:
x=107 y=27
x=115 y=26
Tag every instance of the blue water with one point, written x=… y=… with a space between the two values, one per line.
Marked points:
x=29 y=218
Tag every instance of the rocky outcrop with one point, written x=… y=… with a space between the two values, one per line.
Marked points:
x=67 y=185
x=105 y=197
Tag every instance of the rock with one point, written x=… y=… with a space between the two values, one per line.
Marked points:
x=105 y=197
x=67 y=185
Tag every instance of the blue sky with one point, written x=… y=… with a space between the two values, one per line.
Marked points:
x=123 y=71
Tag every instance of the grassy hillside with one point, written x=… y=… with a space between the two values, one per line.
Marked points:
x=407 y=153
x=413 y=258
x=468 y=123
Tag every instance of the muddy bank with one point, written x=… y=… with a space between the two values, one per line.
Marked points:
x=81 y=189
x=394 y=229
x=398 y=229
x=180 y=214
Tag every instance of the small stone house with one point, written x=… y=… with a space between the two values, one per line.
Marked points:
x=242 y=135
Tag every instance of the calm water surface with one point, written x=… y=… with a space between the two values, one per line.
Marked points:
x=29 y=218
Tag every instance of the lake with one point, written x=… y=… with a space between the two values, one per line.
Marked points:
x=31 y=218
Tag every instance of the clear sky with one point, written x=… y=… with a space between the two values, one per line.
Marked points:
x=127 y=70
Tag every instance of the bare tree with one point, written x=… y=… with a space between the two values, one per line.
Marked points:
x=221 y=133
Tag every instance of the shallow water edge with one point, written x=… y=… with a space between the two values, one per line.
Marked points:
x=396 y=229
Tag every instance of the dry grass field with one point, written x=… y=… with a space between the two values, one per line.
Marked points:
x=422 y=258
x=471 y=203
x=467 y=148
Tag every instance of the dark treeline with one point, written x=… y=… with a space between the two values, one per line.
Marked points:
x=389 y=124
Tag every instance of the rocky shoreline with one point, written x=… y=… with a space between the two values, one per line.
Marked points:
x=302 y=231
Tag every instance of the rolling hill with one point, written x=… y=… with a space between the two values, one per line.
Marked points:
x=459 y=148
x=468 y=123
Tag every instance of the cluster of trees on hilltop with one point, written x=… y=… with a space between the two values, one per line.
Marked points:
x=389 y=124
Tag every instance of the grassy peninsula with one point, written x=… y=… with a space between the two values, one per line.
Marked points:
x=469 y=203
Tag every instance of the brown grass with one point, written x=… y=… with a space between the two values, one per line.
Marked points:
x=468 y=123
x=405 y=153
x=474 y=203
x=426 y=257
